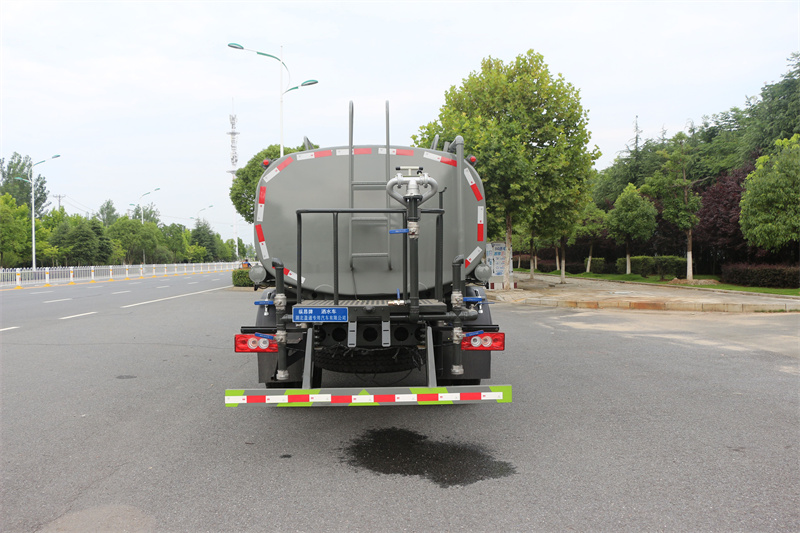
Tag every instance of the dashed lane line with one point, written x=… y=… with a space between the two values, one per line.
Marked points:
x=76 y=316
x=173 y=297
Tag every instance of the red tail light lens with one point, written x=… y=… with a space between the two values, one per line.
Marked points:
x=485 y=341
x=251 y=343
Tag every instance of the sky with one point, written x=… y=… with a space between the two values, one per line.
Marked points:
x=137 y=96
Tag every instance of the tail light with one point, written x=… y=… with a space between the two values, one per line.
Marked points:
x=255 y=343
x=480 y=340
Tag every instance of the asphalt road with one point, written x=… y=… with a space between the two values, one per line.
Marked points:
x=621 y=420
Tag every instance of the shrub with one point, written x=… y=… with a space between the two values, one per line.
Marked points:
x=598 y=265
x=640 y=264
x=778 y=276
x=241 y=278
x=670 y=266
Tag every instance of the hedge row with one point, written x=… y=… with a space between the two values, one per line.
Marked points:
x=666 y=266
x=241 y=278
x=777 y=276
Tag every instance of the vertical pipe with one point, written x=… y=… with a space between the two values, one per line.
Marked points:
x=459 y=142
x=438 y=281
x=388 y=167
x=405 y=257
x=351 y=153
x=336 y=259
x=299 y=257
x=282 y=373
x=413 y=237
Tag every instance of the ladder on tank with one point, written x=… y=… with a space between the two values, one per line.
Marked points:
x=380 y=221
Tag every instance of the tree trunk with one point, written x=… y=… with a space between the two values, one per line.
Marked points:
x=508 y=263
x=689 y=270
x=628 y=256
x=589 y=261
x=532 y=262
x=558 y=261
x=563 y=260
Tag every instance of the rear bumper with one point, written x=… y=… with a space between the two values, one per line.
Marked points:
x=370 y=396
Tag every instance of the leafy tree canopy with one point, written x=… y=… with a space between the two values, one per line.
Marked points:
x=243 y=188
x=770 y=216
x=20 y=167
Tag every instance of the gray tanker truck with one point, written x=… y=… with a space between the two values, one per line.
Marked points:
x=370 y=261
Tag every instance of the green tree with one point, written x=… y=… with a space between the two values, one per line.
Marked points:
x=151 y=214
x=14 y=231
x=528 y=131
x=776 y=115
x=20 y=167
x=203 y=235
x=675 y=190
x=770 y=216
x=105 y=248
x=591 y=227
x=126 y=233
x=632 y=219
x=107 y=213
x=177 y=241
x=197 y=253
x=84 y=244
x=243 y=188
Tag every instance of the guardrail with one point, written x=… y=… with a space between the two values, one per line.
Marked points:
x=46 y=276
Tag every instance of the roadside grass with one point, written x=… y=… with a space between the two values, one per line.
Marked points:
x=654 y=279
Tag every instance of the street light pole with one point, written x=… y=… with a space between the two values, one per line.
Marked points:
x=33 y=209
x=281 y=90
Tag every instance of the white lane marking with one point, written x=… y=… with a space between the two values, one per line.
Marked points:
x=120 y=292
x=54 y=301
x=163 y=287
x=76 y=316
x=42 y=292
x=12 y=327
x=173 y=297
x=193 y=282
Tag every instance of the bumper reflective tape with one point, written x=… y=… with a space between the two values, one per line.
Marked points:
x=376 y=396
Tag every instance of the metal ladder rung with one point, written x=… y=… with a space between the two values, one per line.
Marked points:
x=357 y=255
x=383 y=220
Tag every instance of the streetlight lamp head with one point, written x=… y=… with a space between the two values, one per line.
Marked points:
x=55 y=156
x=236 y=46
x=308 y=82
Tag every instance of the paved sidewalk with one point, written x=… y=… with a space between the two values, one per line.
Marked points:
x=546 y=290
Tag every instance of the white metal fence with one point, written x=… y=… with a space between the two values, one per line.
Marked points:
x=27 y=277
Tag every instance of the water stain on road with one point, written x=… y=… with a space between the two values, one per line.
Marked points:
x=408 y=453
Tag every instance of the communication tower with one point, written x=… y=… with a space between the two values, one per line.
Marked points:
x=234 y=160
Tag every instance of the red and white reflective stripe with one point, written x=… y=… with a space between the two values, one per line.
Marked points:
x=440 y=159
x=367 y=398
x=314 y=155
x=262 y=198
x=274 y=172
x=261 y=241
x=474 y=186
x=291 y=274
x=476 y=253
x=396 y=151
x=356 y=151
x=480 y=223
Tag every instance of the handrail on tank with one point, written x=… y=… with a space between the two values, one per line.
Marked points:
x=336 y=213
